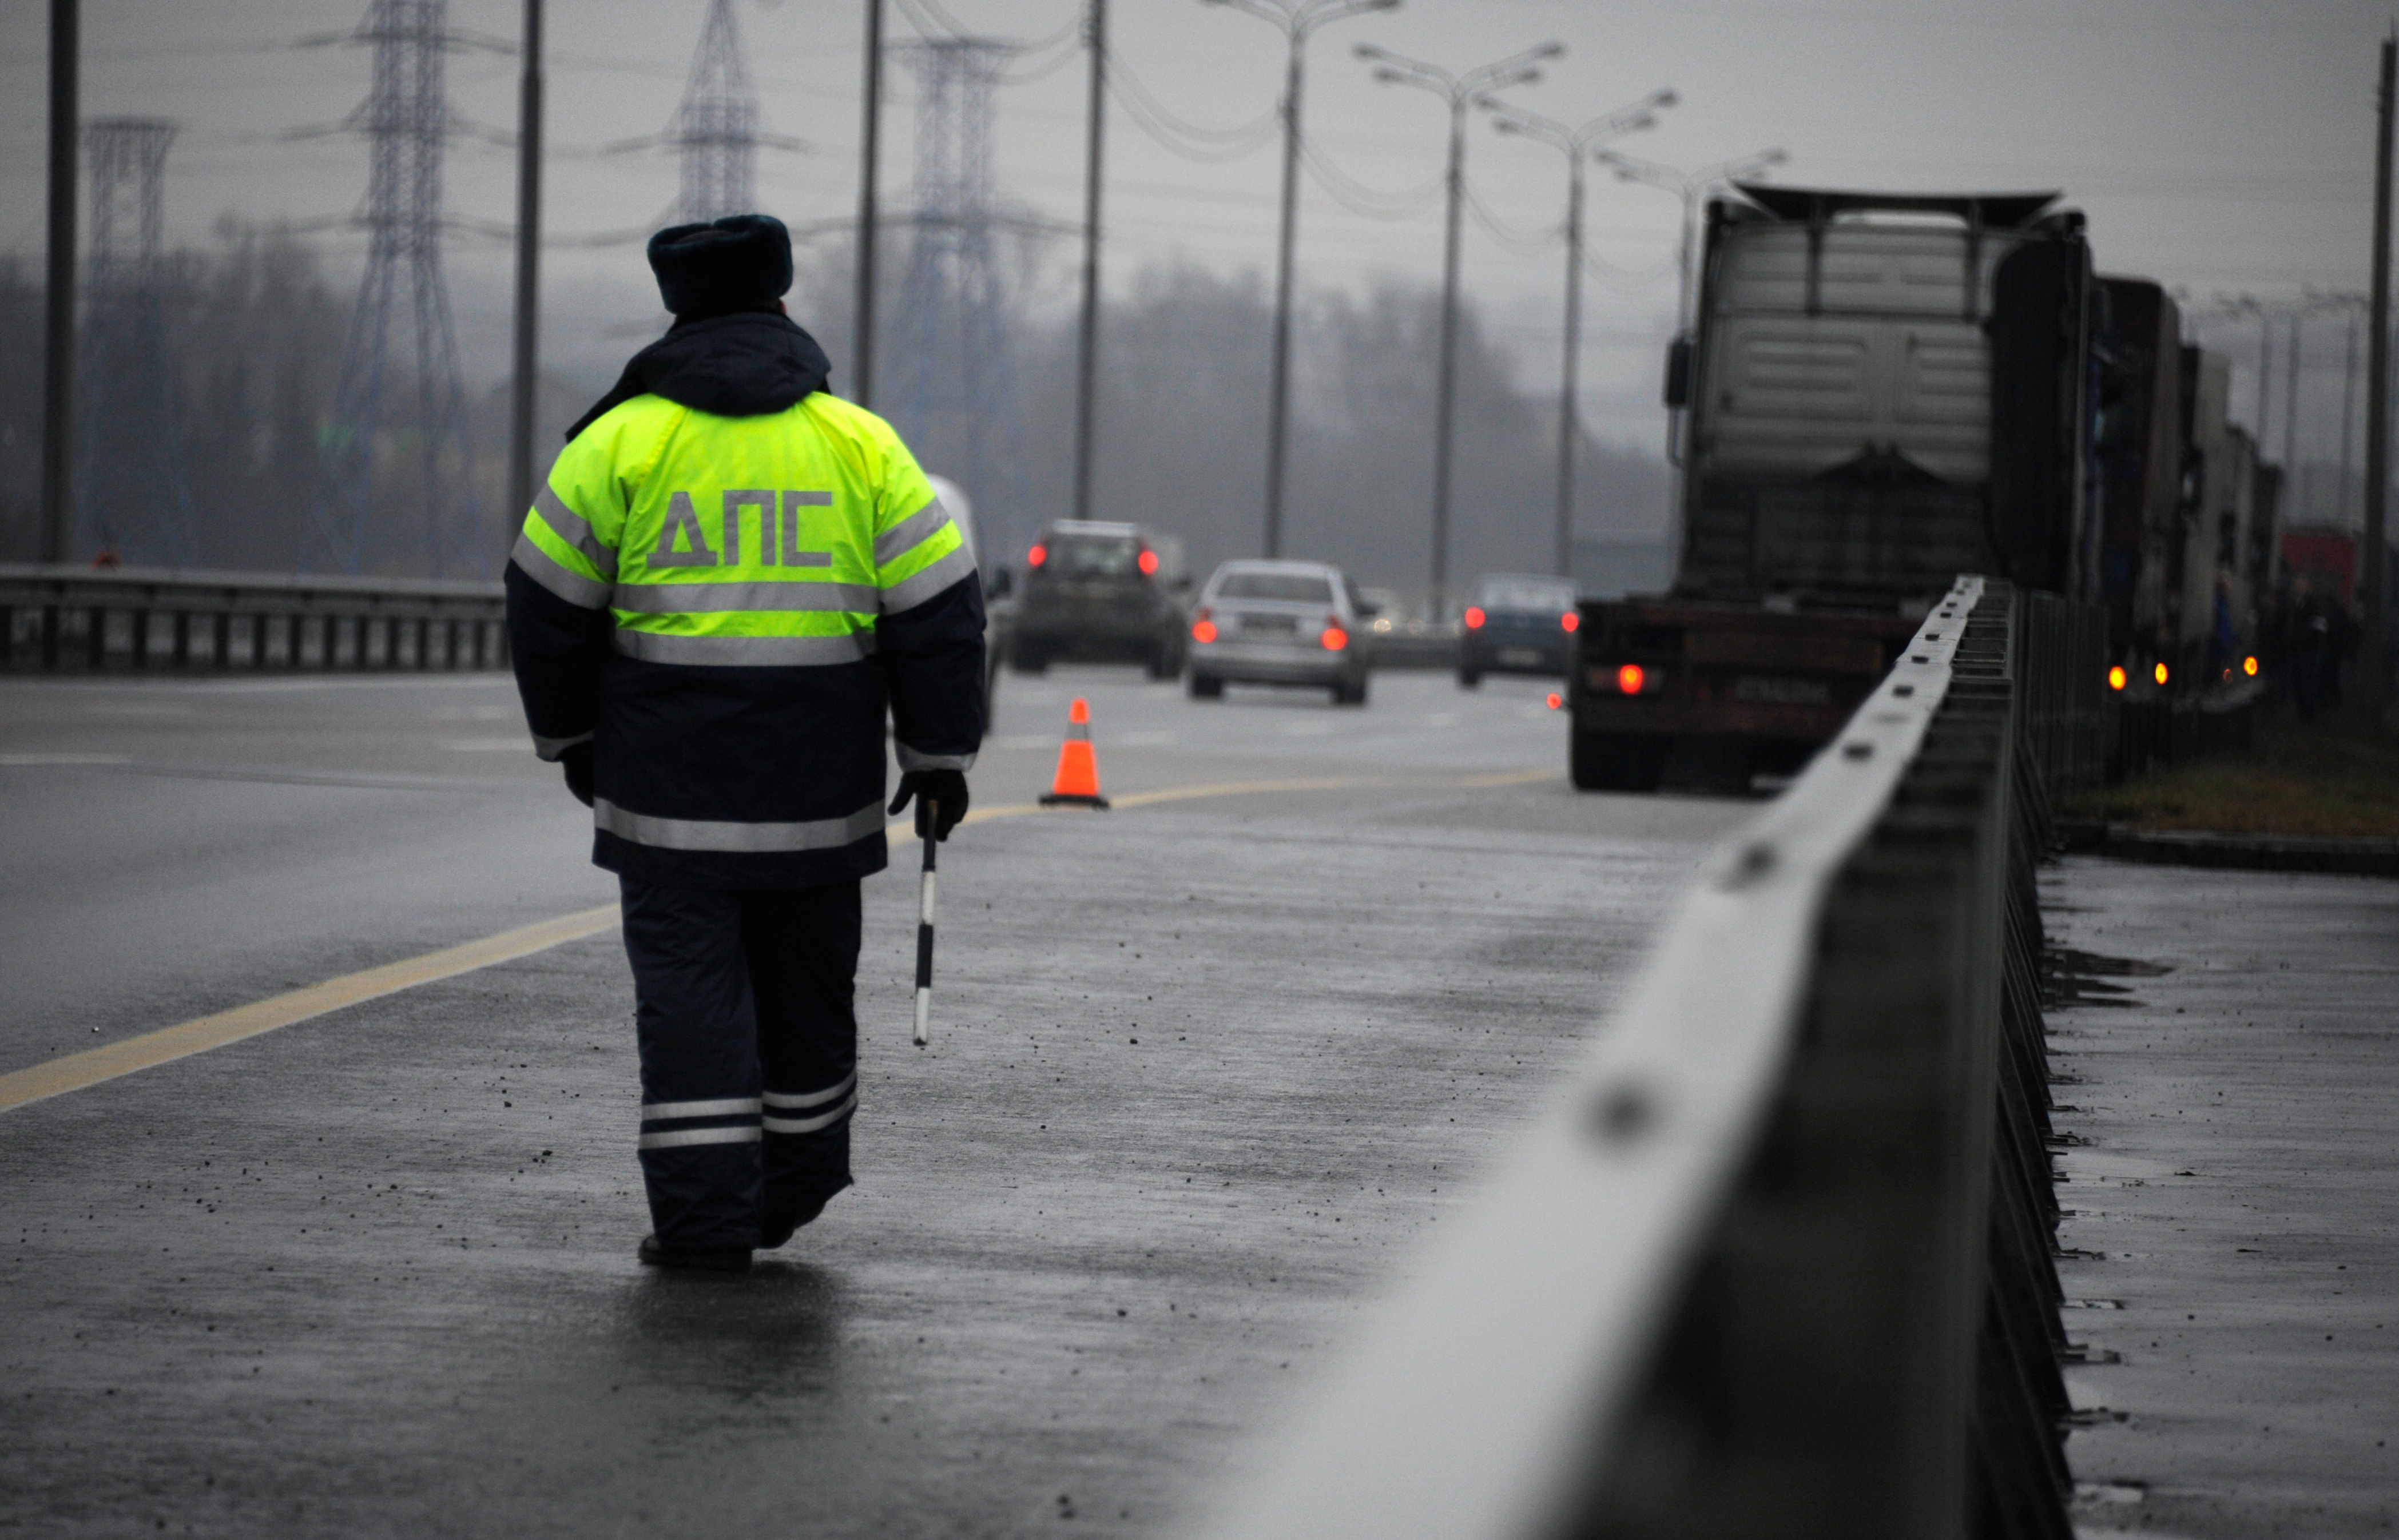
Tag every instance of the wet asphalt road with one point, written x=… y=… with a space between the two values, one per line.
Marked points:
x=1204 y=1072
x=2231 y=1049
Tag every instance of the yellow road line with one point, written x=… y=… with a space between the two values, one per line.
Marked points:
x=77 y=1071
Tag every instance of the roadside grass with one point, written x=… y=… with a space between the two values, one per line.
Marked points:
x=2321 y=780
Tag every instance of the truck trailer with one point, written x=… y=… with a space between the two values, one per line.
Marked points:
x=1882 y=391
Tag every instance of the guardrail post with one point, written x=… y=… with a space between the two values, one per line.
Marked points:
x=95 y=643
x=221 y=650
x=7 y=638
x=50 y=639
x=182 y=639
x=482 y=642
x=141 y=638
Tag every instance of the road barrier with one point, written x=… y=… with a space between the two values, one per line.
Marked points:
x=56 y=619
x=1778 y=1262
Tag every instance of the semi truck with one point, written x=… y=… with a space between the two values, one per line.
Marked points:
x=1880 y=392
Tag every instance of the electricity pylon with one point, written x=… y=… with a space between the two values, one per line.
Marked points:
x=131 y=495
x=952 y=366
x=405 y=119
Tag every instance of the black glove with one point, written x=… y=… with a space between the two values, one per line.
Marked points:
x=943 y=789
x=577 y=763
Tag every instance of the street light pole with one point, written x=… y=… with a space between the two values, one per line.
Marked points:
x=1576 y=143
x=523 y=383
x=59 y=327
x=1457 y=91
x=1296 y=20
x=2372 y=679
x=861 y=344
x=1087 y=383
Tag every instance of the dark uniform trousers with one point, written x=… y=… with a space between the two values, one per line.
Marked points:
x=748 y=1051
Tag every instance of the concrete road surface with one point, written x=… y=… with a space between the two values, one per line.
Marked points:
x=1205 y=1070
x=2231 y=1041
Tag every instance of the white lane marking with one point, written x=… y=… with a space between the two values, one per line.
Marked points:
x=34 y=760
x=1021 y=740
x=1142 y=740
x=1306 y=729
x=480 y=745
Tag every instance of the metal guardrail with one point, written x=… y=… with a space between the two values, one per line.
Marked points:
x=55 y=619
x=1779 y=1260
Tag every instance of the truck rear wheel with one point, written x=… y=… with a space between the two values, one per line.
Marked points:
x=1617 y=762
x=1207 y=687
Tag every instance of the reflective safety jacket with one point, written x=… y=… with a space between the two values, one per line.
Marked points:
x=725 y=607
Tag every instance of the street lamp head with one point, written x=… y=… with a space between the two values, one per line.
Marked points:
x=1388 y=75
x=1646 y=120
x=1549 y=51
x=1666 y=97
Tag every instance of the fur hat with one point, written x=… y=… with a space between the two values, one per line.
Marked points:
x=738 y=263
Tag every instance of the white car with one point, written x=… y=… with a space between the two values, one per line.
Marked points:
x=1281 y=623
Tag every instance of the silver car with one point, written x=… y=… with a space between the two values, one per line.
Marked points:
x=1281 y=623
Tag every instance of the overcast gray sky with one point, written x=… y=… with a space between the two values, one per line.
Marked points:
x=2216 y=144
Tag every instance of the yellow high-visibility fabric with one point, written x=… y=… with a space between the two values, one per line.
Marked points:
x=691 y=525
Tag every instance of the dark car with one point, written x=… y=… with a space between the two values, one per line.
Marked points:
x=1517 y=626
x=1100 y=593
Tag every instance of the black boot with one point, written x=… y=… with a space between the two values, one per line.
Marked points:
x=713 y=1259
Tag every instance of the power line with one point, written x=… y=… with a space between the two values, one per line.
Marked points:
x=1498 y=231
x=1245 y=132
x=1359 y=198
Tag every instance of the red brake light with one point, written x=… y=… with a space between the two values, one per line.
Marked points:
x=1334 y=637
x=1556 y=700
x=1474 y=617
x=1148 y=563
x=1569 y=620
x=1038 y=555
x=1204 y=630
x=1630 y=679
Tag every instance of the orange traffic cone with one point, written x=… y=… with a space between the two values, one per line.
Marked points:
x=1078 y=782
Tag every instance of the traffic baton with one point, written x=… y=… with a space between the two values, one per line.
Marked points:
x=929 y=815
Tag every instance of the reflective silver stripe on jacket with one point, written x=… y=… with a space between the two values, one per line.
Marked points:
x=713 y=598
x=746 y=1134
x=848 y=1105
x=584 y=593
x=909 y=592
x=745 y=652
x=574 y=530
x=790 y=1102
x=909 y=532
x=917 y=759
x=731 y=1106
x=745 y=838
x=550 y=749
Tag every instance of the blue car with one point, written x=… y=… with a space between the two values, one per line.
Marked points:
x=1516 y=625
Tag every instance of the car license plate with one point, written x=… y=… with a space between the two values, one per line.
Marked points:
x=1519 y=658
x=1270 y=623
x=1768 y=690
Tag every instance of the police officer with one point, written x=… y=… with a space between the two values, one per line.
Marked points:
x=728 y=579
